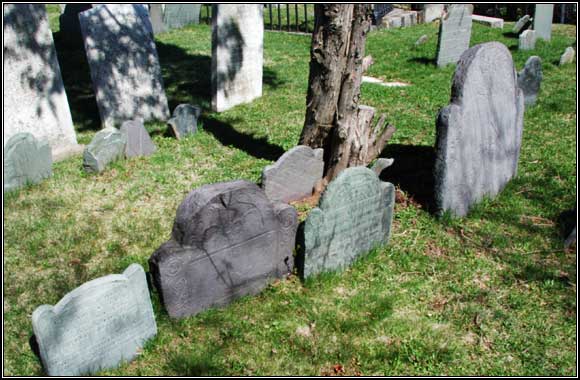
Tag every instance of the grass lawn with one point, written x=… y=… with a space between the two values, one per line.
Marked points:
x=490 y=294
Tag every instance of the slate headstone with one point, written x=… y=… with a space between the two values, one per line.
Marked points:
x=399 y=18
x=527 y=40
x=156 y=16
x=522 y=23
x=479 y=134
x=294 y=175
x=381 y=164
x=530 y=79
x=543 y=21
x=228 y=240
x=139 y=142
x=237 y=54
x=454 y=33
x=107 y=146
x=354 y=215
x=124 y=64
x=34 y=96
x=97 y=326
x=568 y=56
x=184 y=120
x=26 y=161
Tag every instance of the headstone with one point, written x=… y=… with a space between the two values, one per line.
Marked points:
x=543 y=21
x=432 y=12
x=492 y=22
x=139 y=142
x=381 y=164
x=184 y=120
x=421 y=40
x=454 y=33
x=568 y=56
x=354 y=215
x=479 y=134
x=124 y=64
x=26 y=161
x=34 y=97
x=165 y=17
x=530 y=79
x=107 y=146
x=97 y=326
x=527 y=40
x=228 y=241
x=522 y=23
x=294 y=175
x=399 y=18
x=156 y=16
x=237 y=54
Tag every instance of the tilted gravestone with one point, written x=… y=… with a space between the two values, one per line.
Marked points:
x=522 y=23
x=454 y=33
x=530 y=79
x=354 y=215
x=26 y=161
x=527 y=40
x=184 y=120
x=228 y=240
x=34 y=97
x=97 y=326
x=107 y=146
x=165 y=17
x=479 y=134
x=568 y=56
x=543 y=21
x=294 y=175
x=124 y=65
x=139 y=142
x=237 y=54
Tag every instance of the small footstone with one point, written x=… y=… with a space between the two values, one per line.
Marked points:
x=26 y=161
x=107 y=146
x=421 y=40
x=530 y=79
x=184 y=120
x=138 y=140
x=568 y=56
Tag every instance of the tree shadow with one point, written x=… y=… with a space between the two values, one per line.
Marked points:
x=423 y=60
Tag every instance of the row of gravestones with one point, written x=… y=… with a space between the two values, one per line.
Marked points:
x=125 y=69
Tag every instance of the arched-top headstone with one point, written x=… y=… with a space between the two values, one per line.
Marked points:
x=530 y=79
x=479 y=133
x=26 y=161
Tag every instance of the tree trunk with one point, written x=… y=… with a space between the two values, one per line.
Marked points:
x=334 y=120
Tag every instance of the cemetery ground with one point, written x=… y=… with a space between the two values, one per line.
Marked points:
x=490 y=294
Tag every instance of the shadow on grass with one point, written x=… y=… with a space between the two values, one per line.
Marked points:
x=424 y=61
x=203 y=363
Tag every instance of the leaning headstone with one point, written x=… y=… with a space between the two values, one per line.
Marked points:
x=530 y=79
x=26 y=161
x=479 y=134
x=568 y=56
x=354 y=216
x=492 y=22
x=237 y=54
x=228 y=241
x=522 y=23
x=543 y=21
x=527 y=40
x=454 y=33
x=184 y=120
x=421 y=40
x=432 y=12
x=34 y=97
x=139 y=142
x=107 y=146
x=97 y=326
x=294 y=175
x=124 y=64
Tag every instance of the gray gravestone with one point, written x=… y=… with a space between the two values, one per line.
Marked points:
x=454 y=33
x=34 y=97
x=568 y=56
x=228 y=240
x=184 y=120
x=97 y=326
x=399 y=18
x=522 y=23
x=479 y=134
x=138 y=140
x=381 y=164
x=527 y=40
x=530 y=79
x=432 y=12
x=237 y=54
x=156 y=16
x=26 y=161
x=543 y=21
x=379 y=11
x=107 y=146
x=354 y=215
x=294 y=175
x=124 y=64
x=421 y=40
x=492 y=22
x=165 y=17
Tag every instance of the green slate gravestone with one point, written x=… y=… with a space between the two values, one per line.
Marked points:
x=26 y=161
x=107 y=146
x=354 y=215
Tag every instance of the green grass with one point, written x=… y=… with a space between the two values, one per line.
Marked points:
x=490 y=294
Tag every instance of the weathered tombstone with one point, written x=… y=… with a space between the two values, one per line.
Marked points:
x=139 y=142
x=107 y=146
x=124 y=64
x=294 y=175
x=26 y=161
x=156 y=15
x=399 y=18
x=543 y=21
x=97 y=326
x=522 y=23
x=479 y=133
x=454 y=33
x=237 y=54
x=165 y=17
x=228 y=240
x=432 y=12
x=184 y=120
x=527 y=40
x=381 y=164
x=421 y=40
x=568 y=56
x=34 y=97
x=530 y=79
x=354 y=215
x=492 y=22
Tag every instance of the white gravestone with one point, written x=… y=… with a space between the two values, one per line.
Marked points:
x=543 y=21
